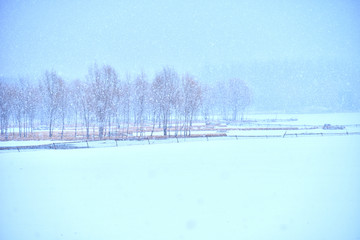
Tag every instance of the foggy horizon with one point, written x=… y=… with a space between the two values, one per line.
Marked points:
x=295 y=56
x=141 y=36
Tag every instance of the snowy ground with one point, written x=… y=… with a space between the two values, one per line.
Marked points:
x=276 y=188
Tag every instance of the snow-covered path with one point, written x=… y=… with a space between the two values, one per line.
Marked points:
x=292 y=188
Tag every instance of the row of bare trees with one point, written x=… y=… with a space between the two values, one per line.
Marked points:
x=118 y=107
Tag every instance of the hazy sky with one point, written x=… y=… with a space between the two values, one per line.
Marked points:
x=130 y=35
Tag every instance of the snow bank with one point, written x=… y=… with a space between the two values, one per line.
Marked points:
x=292 y=188
x=28 y=143
x=310 y=119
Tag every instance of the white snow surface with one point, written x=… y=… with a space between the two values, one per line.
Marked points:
x=279 y=188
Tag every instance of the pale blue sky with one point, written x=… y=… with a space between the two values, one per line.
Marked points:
x=69 y=36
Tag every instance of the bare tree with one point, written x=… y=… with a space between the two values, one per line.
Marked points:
x=208 y=103
x=239 y=97
x=112 y=81
x=192 y=100
x=24 y=98
x=63 y=105
x=223 y=99
x=164 y=93
x=124 y=99
x=5 y=108
x=103 y=85
x=52 y=88
x=32 y=100
x=154 y=106
x=140 y=101
x=86 y=102
x=74 y=92
x=18 y=104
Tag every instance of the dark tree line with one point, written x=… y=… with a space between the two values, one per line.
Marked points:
x=104 y=105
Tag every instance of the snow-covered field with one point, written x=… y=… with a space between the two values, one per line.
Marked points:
x=276 y=188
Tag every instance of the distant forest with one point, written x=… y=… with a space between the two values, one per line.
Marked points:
x=296 y=86
x=117 y=107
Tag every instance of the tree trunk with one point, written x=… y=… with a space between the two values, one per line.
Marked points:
x=101 y=132
x=75 y=124
x=62 y=127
